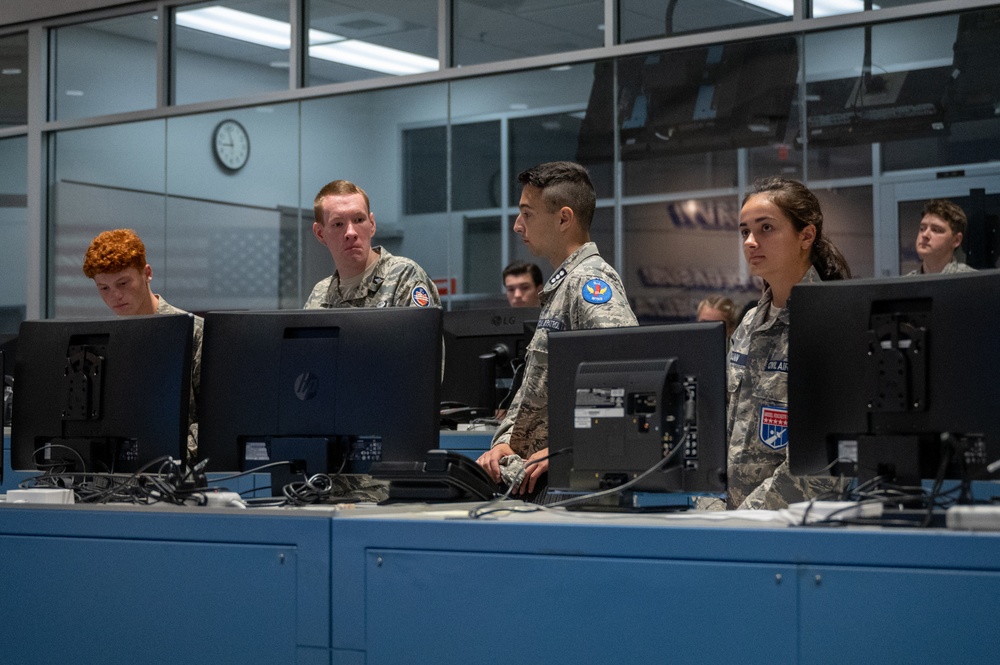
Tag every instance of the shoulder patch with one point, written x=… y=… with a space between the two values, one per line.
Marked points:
x=420 y=296
x=597 y=292
x=773 y=430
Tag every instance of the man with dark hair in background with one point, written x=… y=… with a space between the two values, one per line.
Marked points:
x=522 y=282
x=941 y=230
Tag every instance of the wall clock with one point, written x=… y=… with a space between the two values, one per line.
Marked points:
x=231 y=145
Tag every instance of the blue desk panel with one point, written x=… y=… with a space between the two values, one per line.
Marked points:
x=112 y=584
x=602 y=589
x=407 y=584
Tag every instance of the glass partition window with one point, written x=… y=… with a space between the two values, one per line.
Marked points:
x=13 y=232
x=959 y=79
x=93 y=189
x=927 y=89
x=652 y=19
x=233 y=225
x=684 y=114
x=14 y=80
x=679 y=252
x=350 y=41
x=366 y=138
x=489 y=31
x=530 y=117
x=848 y=222
x=230 y=48
x=103 y=67
x=821 y=8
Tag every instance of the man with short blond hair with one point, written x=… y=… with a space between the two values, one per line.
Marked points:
x=364 y=276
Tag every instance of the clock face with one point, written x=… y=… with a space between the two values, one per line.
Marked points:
x=232 y=145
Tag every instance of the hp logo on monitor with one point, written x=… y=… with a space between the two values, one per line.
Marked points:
x=306 y=385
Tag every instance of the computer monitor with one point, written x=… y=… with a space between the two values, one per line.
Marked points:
x=623 y=398
x=898 y=374
x=482 y=347
x=102 y=395
x=696 y=100
x=329 y=390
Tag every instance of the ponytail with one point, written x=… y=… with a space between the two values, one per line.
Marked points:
x=828 y=261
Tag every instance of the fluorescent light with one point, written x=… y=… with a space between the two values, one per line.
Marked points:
x=834 y=7
x=354 y=52
x=239 y=25
x=256 y=29
x=820 y=7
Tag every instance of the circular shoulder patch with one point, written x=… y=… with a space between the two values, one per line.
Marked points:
x=597 y=291
x=420 y=296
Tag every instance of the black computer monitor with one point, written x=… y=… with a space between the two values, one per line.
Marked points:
x=695 y=100
x=103 y=395
x=330 y=390
x=623 y=398
x=898 y=374
x=482 y=347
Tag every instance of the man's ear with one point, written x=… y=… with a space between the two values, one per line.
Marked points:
x=566 y=217
x=147 y=272
x=318 y=232
x=957 y=240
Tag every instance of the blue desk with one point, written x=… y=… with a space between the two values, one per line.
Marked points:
x=396 y=585
x=612 y=589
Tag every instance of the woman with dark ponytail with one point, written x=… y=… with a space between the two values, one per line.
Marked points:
x=782 y=229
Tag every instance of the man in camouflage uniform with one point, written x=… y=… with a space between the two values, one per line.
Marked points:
x=757 y=379
x=364 y=276
x=116 y=261
x=940 y=234
x=557 y=206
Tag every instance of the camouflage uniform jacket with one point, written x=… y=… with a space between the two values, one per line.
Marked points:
x=757 y=418
x=585 y=292
x=199 y=331
x=395 y=282
x=952 y=267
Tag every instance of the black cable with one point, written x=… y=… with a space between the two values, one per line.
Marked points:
x=632 y=483
x=50 y=446
x=317 y=488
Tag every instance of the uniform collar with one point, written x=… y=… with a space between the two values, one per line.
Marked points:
x=370 y=283
x=586 y=250
x=764 y=304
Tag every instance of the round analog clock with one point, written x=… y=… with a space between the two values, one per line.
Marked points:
x=231 y=144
